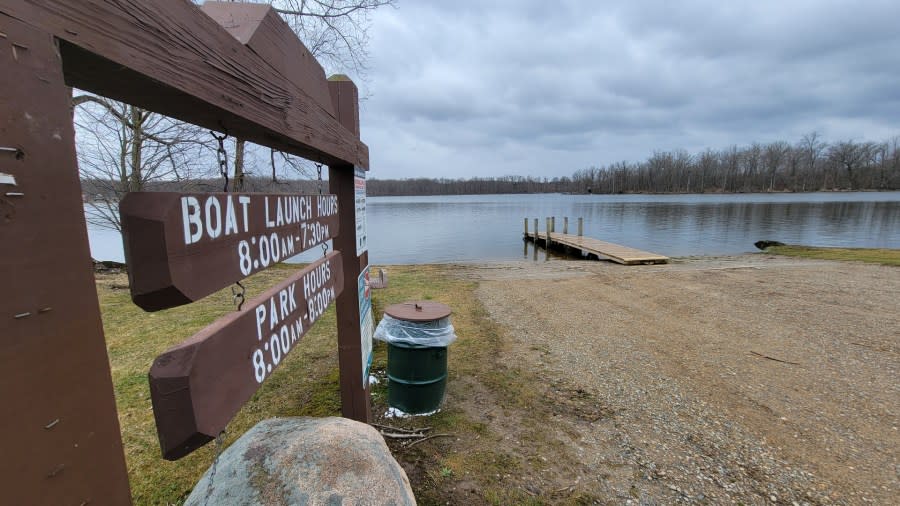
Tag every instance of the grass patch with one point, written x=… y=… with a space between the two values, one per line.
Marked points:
x=305 y=384
x=489 y=404
x=881 y=256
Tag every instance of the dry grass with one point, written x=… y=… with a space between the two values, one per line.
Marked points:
x=306 y=384
x=870 y=255
x=520 y=423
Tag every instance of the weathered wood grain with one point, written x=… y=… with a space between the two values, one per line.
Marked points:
x=169 y=57
x=59 y=432
x=261 y=29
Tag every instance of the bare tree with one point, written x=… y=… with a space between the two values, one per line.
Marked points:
x=811 y=146
x=122 y=148
x=774 y=155
x=849 y=156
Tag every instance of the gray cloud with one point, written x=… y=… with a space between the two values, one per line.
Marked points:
x=538 y=88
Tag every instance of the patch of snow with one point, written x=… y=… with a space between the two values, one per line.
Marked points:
x=396 y=413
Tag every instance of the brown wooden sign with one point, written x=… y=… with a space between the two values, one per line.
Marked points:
x=198 y=386
x=181 y=247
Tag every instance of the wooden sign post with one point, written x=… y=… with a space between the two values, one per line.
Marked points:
x=342 y=182
x=60 y=432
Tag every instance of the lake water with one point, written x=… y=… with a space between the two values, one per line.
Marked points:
x=467 y=228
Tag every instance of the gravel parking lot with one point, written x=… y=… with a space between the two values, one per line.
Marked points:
x=751 y=379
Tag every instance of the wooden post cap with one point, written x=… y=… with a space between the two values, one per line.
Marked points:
x=418 y=311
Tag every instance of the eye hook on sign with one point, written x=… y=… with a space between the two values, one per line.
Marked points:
x=237 y=294
x=222 y=156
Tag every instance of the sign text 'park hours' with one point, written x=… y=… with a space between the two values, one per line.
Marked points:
x=199 y=385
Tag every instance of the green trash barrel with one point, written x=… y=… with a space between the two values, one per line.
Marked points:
x=417 y=375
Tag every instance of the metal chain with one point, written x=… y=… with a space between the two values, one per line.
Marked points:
x=319 y=170
x=237 y=294
x=212 y=473
x=222 y=156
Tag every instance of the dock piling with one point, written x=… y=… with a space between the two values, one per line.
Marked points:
x=547 y=235
x=580 y=227
x=566 y=225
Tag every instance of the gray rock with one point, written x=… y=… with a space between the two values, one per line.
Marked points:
x=306 y=461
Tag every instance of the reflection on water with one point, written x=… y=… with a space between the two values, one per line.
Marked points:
x=405 y=230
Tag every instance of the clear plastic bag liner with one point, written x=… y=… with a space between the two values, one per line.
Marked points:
x=433 y=334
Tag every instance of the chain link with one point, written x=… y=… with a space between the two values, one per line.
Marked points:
x=237 y=294
x=319 y=170
x=212 y=473
x=222 y=156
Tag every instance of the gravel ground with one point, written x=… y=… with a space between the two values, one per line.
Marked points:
x=747 y=380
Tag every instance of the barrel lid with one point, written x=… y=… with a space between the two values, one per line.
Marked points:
x=418 y=311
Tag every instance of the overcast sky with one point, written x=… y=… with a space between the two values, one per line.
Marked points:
x=540 y=88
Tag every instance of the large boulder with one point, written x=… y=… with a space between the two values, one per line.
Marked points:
x=306 y=461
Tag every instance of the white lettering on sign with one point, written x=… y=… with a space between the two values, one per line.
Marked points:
x=209 y=217
x=287 y=210
x=279 y=323
x=190 y=213
x=287 y=304
x=327 y=205
x=220 y=216
x=213 y=217
x=283 y=330
x=317 y=300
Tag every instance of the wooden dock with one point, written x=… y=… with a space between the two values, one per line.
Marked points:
x=590 y=246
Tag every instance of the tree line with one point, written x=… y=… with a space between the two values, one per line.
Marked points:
x=810 y=164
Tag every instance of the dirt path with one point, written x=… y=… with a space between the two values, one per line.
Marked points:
x=748 y=379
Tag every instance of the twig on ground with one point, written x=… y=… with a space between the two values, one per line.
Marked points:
x=400 y=429
x=561 y=490
x=395 y=435
x=773 y=358
x=414 y=443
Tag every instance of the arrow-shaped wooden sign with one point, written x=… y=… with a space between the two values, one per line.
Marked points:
x=181 y=247
x=199 y=385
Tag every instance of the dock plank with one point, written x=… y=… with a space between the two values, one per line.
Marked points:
x=615 y=252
